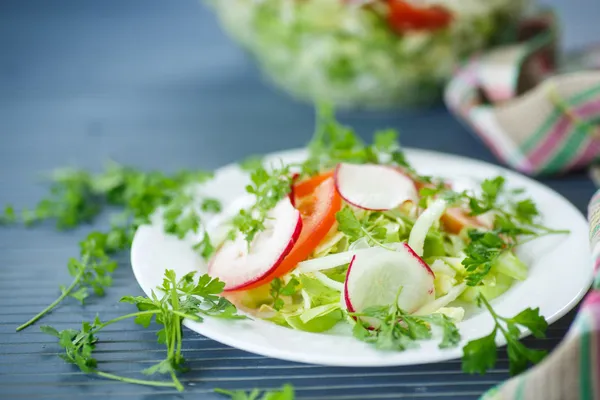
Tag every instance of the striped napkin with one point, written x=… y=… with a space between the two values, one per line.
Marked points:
x=572 y=370
x=535 y=117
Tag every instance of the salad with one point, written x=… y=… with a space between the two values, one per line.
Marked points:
x=352 y=237
x=356 y=236
x=377 y=53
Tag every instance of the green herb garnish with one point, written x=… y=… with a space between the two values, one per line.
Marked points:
x=398 y=330
x=480 y=355
x=78 y=197
x=356 y=229
x=286 y=393
x=268 y=188
x=278 y=289
x=180 y=299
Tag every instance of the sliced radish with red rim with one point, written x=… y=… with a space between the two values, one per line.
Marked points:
x=374 y=187
x=239 y=265
x=376 y=278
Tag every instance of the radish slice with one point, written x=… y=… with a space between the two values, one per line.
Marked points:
x=374 y=187
x=442 y=301
x=374 y=279
x=239 y=266
x=419 y=231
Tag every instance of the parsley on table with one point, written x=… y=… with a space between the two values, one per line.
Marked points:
x=286 y=393
x=78 y=196
x=183 y=298
x=480 y=355
x=268 y=187
x=9 y=216
x=398 y=330
x=278 y=289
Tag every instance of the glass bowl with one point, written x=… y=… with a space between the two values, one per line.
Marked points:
x=350 y=53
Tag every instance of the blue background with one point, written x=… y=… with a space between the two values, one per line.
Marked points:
x=155 y=84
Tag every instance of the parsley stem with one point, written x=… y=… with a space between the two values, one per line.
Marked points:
x=184 y=315
x=537 y=236
x=176 y=381
x=138 y=381
x=549 y=231
x=488 y=306
x=56 y=302
x=127 y=316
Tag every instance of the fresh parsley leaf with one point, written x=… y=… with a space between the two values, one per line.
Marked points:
x=251 y=163
x=386 y=140
x=398 y=330
x=532 y=320
x=9 y=216
x=205 y=247
x=526 y=211
x=480 y=355
x=50 y=331
x=278 y=289
x=78 y=196
x=519 y=356
x=348 y=224
x=451 y=335
x=286 y=393
x=268 y=188
x=491 y=189
x=211 y=205
x=372 y=226
x=179 y=299
x=333 y=143
x=481 y=253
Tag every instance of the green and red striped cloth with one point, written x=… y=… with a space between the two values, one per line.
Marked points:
x=533 y=116
x=572 y=370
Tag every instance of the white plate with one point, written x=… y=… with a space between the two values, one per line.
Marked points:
x=560 y=274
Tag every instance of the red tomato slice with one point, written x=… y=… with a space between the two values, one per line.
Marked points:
x=318 y=208
x=306 y=187
x=456 y=219
x=404 y=17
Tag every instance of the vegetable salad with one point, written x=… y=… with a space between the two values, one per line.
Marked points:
x=355 y=235
x=371 y=54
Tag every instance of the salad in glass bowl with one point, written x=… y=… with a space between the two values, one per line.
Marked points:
x=365 y=54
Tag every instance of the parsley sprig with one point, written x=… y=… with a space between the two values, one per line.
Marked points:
x=480 y=355
x=278 y=289
x=355 y=228
x=398 y=330
x=286 y=393
x=268 y=187
x=334 y=143
x=77 y=197
x=183 y=298
x=514 y=223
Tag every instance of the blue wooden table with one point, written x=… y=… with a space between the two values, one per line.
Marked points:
x=155 y=84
